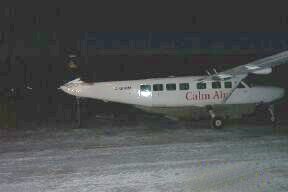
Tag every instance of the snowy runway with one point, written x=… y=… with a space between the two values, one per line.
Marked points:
x=145 y=157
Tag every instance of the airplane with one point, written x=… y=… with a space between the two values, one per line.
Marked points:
x=194 y=93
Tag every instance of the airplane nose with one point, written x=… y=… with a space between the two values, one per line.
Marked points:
x=71 y=88
x=64 y=88
x=67 y=89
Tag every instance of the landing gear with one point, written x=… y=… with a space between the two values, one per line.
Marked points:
x=78 y=113
x=264 y=108
x=273 y=118
x=216 y=121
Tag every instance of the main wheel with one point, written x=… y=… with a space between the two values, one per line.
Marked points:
x=217 y=122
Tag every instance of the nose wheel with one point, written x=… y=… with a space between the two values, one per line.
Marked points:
x=78 y=113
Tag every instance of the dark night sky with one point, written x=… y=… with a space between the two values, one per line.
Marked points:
x=191 y=39
x=130 y=55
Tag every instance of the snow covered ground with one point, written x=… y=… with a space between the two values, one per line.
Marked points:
x=148 y=155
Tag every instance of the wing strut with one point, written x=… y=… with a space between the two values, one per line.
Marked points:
x=234 y=88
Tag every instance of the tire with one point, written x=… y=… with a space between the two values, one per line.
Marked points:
x=217 y=122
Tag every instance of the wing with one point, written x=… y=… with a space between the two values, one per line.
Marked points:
x=261 y=66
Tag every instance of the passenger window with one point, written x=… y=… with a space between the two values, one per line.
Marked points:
x=228 y=84
x=201 y=85
x=145 y=87
x=216 y=84
x=157 y=87
x=171 y=86
x=240 y=85
x=184 y=86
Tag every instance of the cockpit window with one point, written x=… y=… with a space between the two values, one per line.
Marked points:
x=145 y=91
x=145 y=87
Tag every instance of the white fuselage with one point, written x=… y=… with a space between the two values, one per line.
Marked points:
x=130 y=92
